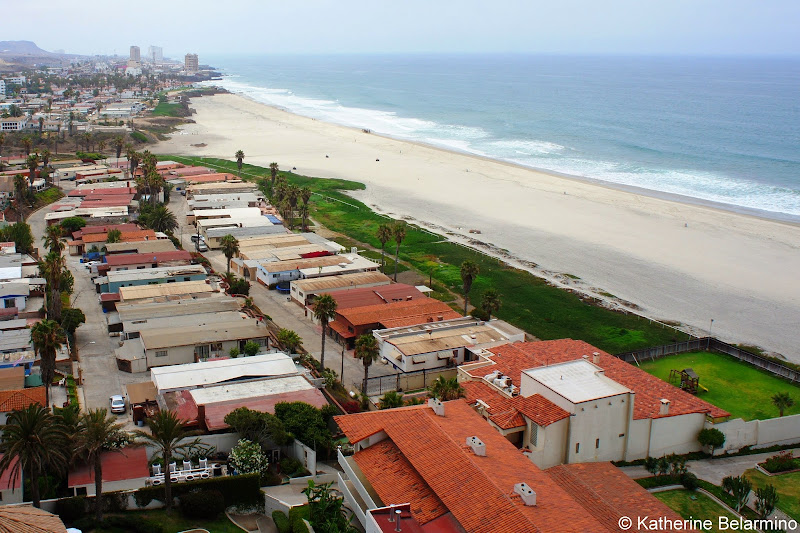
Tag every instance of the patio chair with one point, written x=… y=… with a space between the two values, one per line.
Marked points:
x=204 y=463
x=187 y=465
x=156 y=469
x=157 y=481
x=205 y=475
x=173 y=467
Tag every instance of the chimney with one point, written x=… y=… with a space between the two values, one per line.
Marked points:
x=596 y=358
x=477 y=445
x=664 y=407
x=528 y=494
x=436 y=405
x=397 y=527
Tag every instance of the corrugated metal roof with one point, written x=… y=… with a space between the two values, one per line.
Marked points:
x=164 y=289
x=204 y=373
x=243 y=329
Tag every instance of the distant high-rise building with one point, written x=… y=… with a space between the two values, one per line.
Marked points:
x=155 y=53
x=191 y=63
x=135 y=54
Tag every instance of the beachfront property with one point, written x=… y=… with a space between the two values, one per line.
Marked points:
x=190 y=343
x=566 y=401
x=439 y=344
x=70 y=173
x=270 y=273
x=229 y=187
x=305 y=291
x=225 y=201
x=234 y=214
x=204 y=393
x=444 y=468
x=214 y=230
x=115 y=262
x=113 y=281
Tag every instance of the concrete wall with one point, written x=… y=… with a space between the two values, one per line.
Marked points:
x=305 y=455
x=10 y=496
x=759 y=433
x=675 y=434
x=597 y=426
x=551 y=442
x=112 y=486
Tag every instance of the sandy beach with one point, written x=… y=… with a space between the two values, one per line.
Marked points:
x=676 y=261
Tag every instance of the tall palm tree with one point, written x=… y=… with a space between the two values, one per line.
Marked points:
x=101 y=145
x=19 y=192
x=47 y=337
x=391 y=400
x=133 y=161
x=367 y=350
x=52 y=268
x=41 y=124
x=292 y=195
x=52 y=238
x=445 y=389
x=46 y=158
x=469 y=271
x=87 y=138
x=96 y=432
x=273 y=172
x=119 y=144
x=34 y=444
x=160 y=218
x=2 y=141
x=239 y=160
x=32 y=162
x=384 y=235
x=230 y=247
x=27 y=143
x=324 y=311
x=782 y=401
x=305 y=195
x=490 y=302
x=166 y=432
x=399 y=234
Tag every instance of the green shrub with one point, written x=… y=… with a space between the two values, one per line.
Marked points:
x=296 y=517
x=251 y=348
x=237 y=490
x=782 y=462
x=71 y=509
x=281 y=522
x=139 y=136
x=291 y=466
x=128 y=523
x=689 y=481
x=204 y=504
x=658 y=481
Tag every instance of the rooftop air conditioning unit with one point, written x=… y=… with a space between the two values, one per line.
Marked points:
x=477 y=445
x=437 y=406
x=528 y=494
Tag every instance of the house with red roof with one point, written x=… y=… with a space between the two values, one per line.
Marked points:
x=123 y=469
x=14 y=400
x=565 y=401
x=446 y=469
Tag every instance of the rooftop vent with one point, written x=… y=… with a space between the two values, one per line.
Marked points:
x=664 y=407
x=477 y=445
x=437 y=406
x=596 y=358
x=354 y=249
x=528 y=494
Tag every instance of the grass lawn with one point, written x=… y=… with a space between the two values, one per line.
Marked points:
x=787 y=485
x=48 y=196
x=174 y=523
x=702 y=507
x=165 y=109
x=527 y=301
x=742 y=390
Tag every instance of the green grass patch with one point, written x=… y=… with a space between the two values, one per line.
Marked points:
x=166 y=109
x=528 y=302
x=48 y=196
x=138 y=136
x=695 y=505
x=787 y=485
x=174 y=522
x=741 y=389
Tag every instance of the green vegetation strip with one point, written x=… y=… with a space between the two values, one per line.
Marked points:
x=787 y=485
x=528 y=302
x=739 y=388
x=694 y=505
x=170 y=523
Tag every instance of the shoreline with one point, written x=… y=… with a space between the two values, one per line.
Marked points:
x=775 y=216
x=672 y=260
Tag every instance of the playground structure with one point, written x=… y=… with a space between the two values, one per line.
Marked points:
x=689 y=380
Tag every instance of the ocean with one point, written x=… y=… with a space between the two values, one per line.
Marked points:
x=721 y=130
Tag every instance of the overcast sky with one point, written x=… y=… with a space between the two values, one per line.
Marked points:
x=727 y=27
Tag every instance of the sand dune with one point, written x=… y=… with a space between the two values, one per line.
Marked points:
x=677 y=261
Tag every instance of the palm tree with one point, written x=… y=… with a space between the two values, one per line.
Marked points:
x=490 y=302
x=384 y=235
x=324 y=311
x=118 y=143
x=19 y=192
x=160 y=218
x=52 y=268
x=239 y=158
x=166 y=432
x=446 y=389
x=399 y=234
x=45 y=158
x=52 y=238
x=87 y=138
x=32 y=162
x=101 y=145
x=47 y=337
x=230 y=247
x=305 y=195
x=96 y=432
x=469 y=271
x=391 y=400
x=34 y=443
x=782 y=401
x=41 y=124
x=27 y=143
x=367 y=350
x=292 y=195
x=273 y=171
x=2 y=142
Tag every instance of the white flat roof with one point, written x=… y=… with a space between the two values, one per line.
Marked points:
x=577 y=381
x=249 y=389
x=210 y=372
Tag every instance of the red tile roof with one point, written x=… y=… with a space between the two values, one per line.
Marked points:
x=14 y=400
x=127 y=236
x=86 y=230
x=210 y=178
x=157 y=257
x=127 y=463
x=512 y=359
x=478 y=491
x=379 y=295
x=507 y=412
x=214 y=418
x=106 y=191
x=6 y=476
x=26 y=519
x=608 y=494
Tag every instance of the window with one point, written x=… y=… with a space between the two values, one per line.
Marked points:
x=597 y=444
x=534 y=434
x=203 y=351
x=577 y=447
x=186 y=279
x=161 y=353
x=8 y=303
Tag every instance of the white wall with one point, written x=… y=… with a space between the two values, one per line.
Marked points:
x=675 y=434
x=550 y=446
x=602 y=420
x=759 y=433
